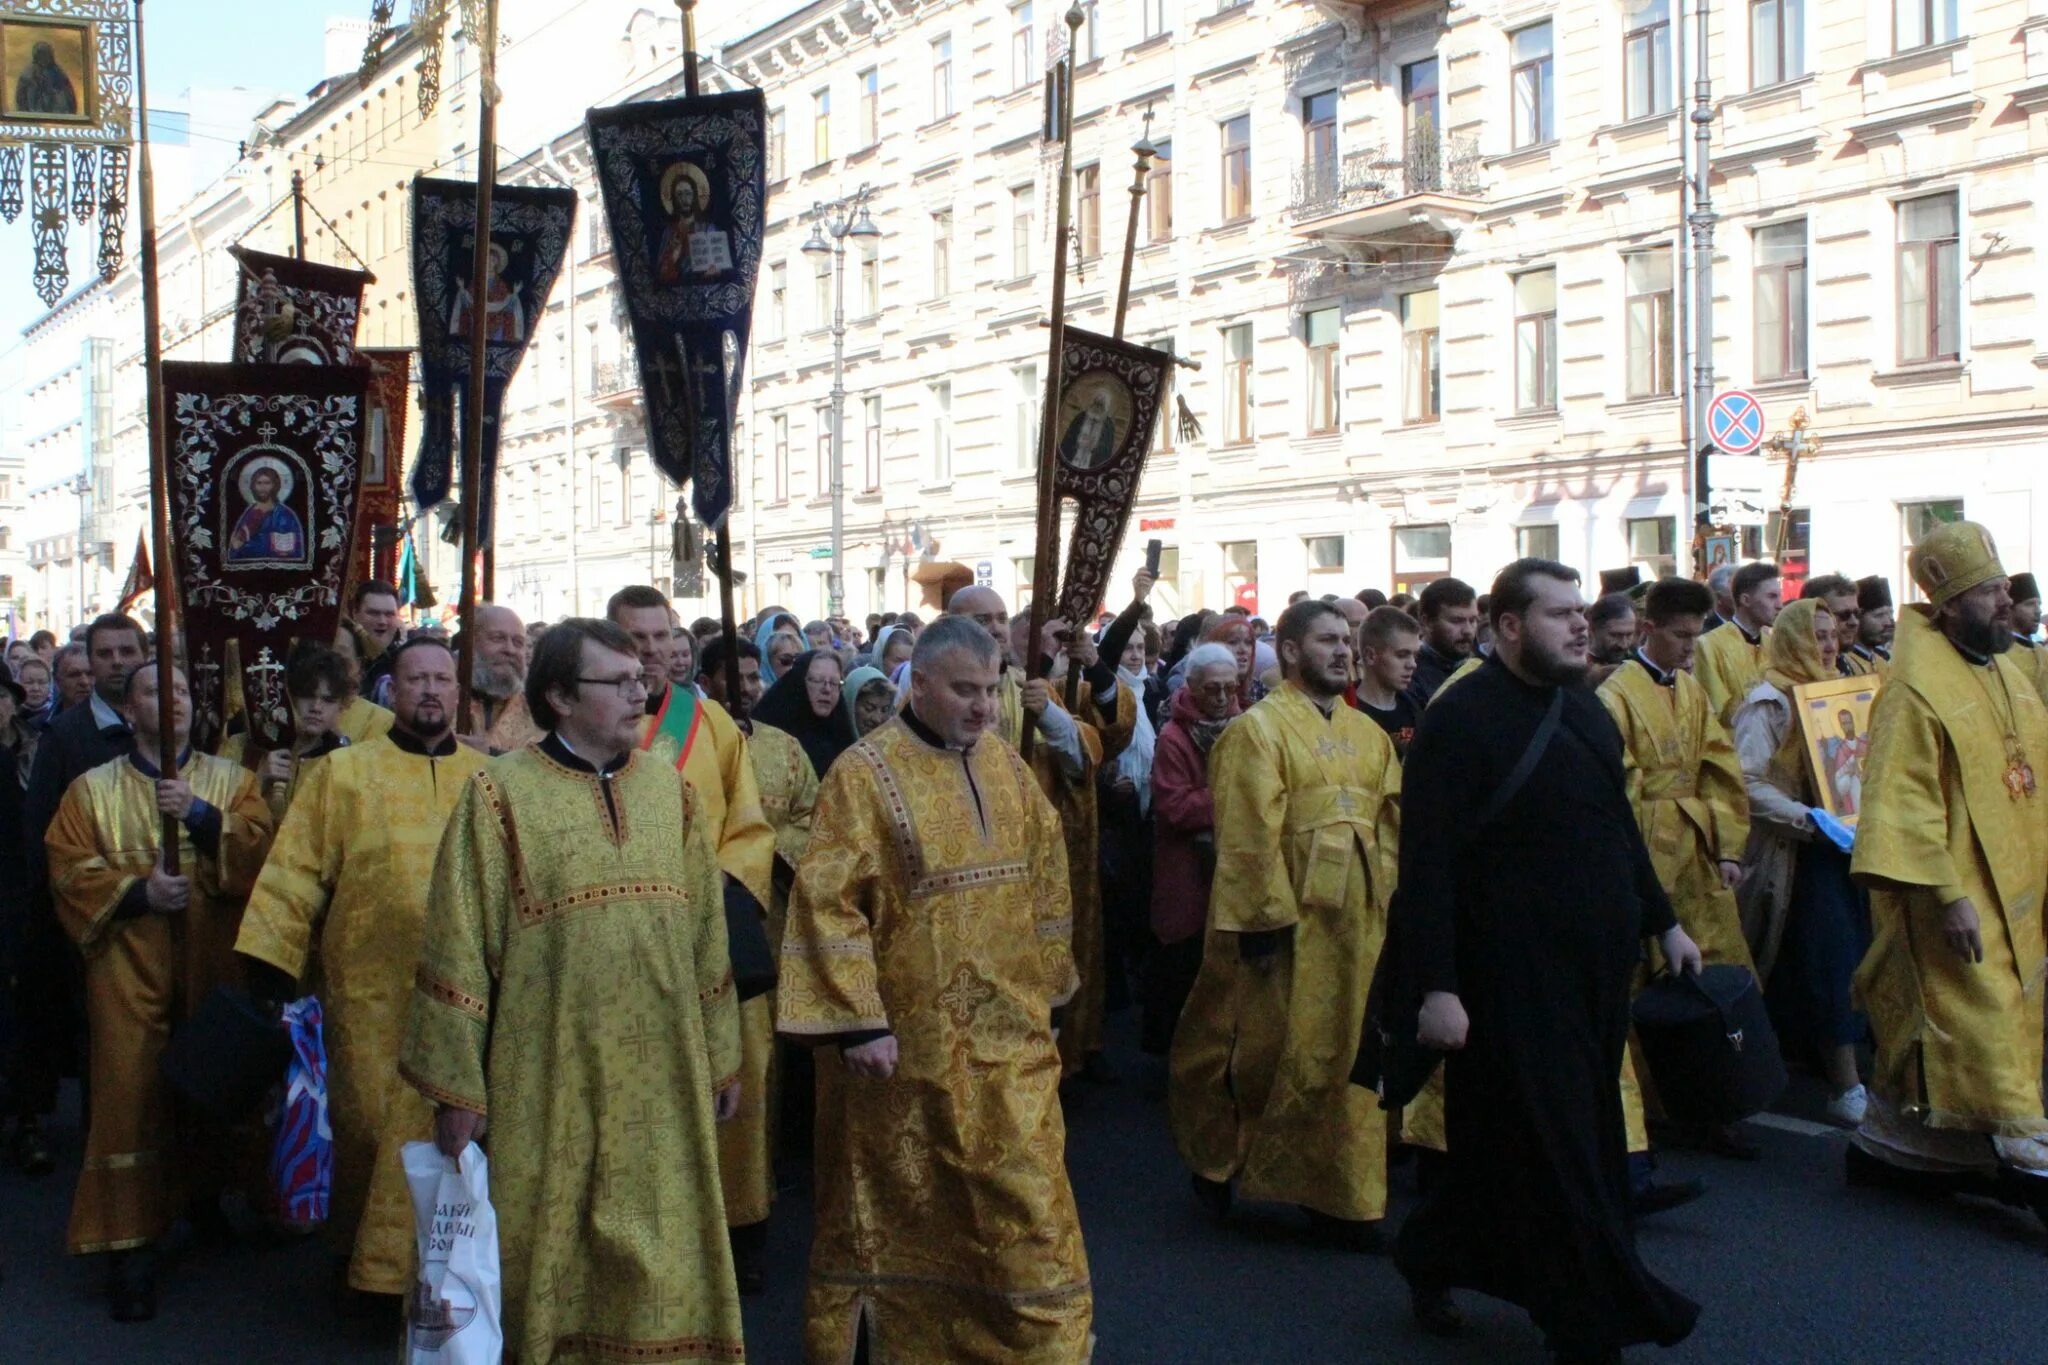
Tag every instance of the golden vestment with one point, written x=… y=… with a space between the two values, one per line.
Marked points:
x=235 y=750
x=932 y=903
x=502 y=725
x=1858 y=665
x=573 y=985
x=1728 y=666
x=1308 y=830
x=728 y=801
x=362 y=720
x=351 y=868
x=789 y=790
x=1958 y=1044
x=1686 y=788
x=143 y=974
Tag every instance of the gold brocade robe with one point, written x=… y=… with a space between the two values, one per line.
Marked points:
x=1308 y=830
x=1685 y=786
x=1727 y=666
x=573 y=985
x=789 y=790
x=502 y=726
x=932 y=903
x=350 y=869
x=144 y=974
x=1958 y=1044
x=1858 y=665
x=235 y=750
x=362 y=720
x=728 y=801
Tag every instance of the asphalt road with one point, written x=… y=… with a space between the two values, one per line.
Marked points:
x=1790 y=1264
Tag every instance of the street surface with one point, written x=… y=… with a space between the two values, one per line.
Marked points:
x=1790 y=1264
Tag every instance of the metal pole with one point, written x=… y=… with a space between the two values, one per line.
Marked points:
x=473 y=400
x=298 y=214
x=159 y=467
x=835 y=594
x=555 y=168
x=1702 y=221
x=1688 y=420
x=1145 y=152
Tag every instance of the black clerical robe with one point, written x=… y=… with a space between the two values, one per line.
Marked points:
x=1535 y=922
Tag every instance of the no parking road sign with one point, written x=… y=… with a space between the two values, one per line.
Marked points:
x=1735 y=422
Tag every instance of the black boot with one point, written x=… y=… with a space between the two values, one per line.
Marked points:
x=131 y=1284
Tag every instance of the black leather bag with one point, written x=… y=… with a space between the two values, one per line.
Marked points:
x=1709 y=1044
x=224 y=1059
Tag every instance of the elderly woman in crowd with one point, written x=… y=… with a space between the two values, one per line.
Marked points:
x=1235 y=633
x=870 y=699
x=807 y=702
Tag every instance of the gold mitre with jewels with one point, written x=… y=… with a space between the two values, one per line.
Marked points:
x=1952 y=559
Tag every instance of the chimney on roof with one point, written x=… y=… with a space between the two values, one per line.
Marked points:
x=343 y=51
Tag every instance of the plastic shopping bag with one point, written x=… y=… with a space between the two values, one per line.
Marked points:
x=453 y=1316
x=302 y=1157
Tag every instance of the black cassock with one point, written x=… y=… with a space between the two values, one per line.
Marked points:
x=1536 y=922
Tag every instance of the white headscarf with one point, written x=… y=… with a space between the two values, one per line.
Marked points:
x=1135 y=762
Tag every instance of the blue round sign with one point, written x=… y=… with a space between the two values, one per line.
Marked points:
x=1735 y=422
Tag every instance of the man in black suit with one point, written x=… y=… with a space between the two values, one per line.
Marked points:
x=77 y=741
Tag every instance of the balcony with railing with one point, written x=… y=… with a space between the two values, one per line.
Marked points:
x=615 y=384
x=1430 y=182
x=599 y=251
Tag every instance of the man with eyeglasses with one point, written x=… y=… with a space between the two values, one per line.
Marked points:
x=350 y=868
x=698 y=738
x=574 y=990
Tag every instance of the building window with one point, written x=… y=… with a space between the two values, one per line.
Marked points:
x=1536 y=341
x=1024 y=572
x=1422 y=376
x=870 y=279
x=1922 y=23
x=1647 y=280
x=1024 y=401
x=942 y=253
x=593 y=516
x=1325 y=563
x=821 y=291
x=1646 y=60
x=1777 y=41
x=1159 y=193
x=1162 y=427
x=1152 y=17
x=822 y=449
x=871 y=442
x=1023 y=47
x=625 y=462
x=1536 y=542
x=942 y=77
x=1020 y=232
x=1237 y=384
x=870 y=107
x=1530 y=85
x=779 y=456
x=1088 y=212
x=942 y=432
x=778 y=147
x=1420 y=116
x=1091 y=31
x=1930 y=283
x=1916 y=521
x=821 y=126
x=1241 y=574
x=778 y=303
x=1422 y=554
x=1781 y=301
x=1319 y=141
x=1237 y=167
x=1653 y=545
x=1321 y=330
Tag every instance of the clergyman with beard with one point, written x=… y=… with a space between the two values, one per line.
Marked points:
x=1517 y=923
x=351 y=867
x=498 y=716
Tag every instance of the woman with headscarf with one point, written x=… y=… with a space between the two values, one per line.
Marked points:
x=779 y=644
x=807 y=702
x=892 y=649
x=870 y=699
x=1124 y=813
x=1807 y=924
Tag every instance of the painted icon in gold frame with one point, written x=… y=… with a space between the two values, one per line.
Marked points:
x=46 y=71
x=1834 y=723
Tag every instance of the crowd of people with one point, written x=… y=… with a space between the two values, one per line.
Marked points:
x=665 y=906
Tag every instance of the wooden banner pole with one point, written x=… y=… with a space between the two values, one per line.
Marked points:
x=473 y=404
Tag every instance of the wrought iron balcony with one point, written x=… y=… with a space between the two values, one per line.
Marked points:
x=616 y=383
x=1354 y=190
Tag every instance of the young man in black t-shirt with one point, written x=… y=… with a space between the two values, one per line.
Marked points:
x=1388 y=640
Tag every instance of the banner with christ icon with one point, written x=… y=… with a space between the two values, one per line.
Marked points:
x=264 y=462
x=528 y=241
x=294 y=312
x=685 y=195
x=1110 y=396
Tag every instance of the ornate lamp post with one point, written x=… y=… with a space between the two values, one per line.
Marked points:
x=838 y=220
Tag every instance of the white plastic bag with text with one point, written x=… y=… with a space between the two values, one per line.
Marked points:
x=454 y=1314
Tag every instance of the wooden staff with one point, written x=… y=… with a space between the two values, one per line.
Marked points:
x=1044 y=569
x=159 y=466
x=473 y=405
x=721 y=534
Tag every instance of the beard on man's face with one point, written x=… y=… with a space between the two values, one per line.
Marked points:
x=427 y=717
x=496 y=679
x=1552 y=666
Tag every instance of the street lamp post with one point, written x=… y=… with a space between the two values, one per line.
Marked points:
x=839 y=219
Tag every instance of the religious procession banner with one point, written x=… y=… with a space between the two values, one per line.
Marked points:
x=294 y=312
x=528 y=239
x=377 y=505
x=66 y=87
x=263 y=462
x=685 y=190
x=1110 y=394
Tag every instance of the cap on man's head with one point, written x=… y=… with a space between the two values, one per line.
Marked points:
x=1620 y=580
x=2024 y=588
x=1873 y=592
x=1952 y=559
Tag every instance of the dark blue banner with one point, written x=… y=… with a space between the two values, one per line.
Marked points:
x=685 y=193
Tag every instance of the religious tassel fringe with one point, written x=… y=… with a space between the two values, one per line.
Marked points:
x=46 y=190
x=113 y=209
